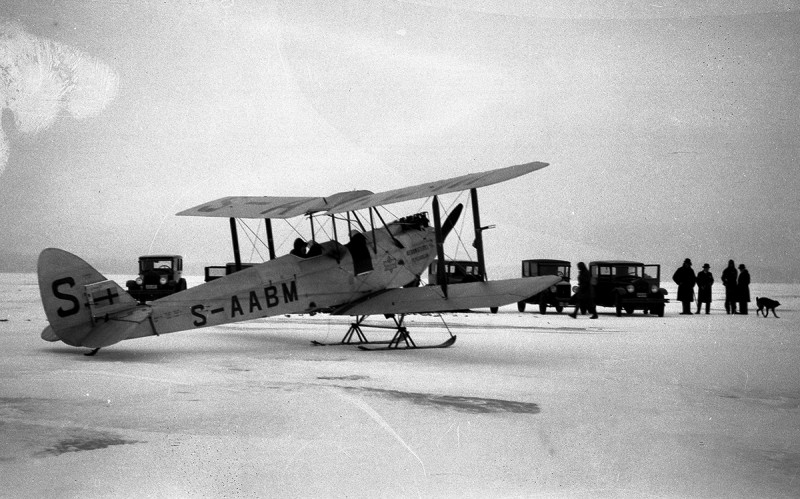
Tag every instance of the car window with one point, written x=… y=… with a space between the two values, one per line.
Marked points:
x=548 y=270
x=155 y=264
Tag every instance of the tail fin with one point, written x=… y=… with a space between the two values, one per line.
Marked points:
x=82 y=306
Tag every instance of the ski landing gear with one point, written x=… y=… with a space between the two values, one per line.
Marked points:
x=400 y=341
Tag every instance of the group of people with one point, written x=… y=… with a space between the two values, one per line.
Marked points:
x=737 y=287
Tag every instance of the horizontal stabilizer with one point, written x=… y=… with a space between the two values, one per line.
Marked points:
x=132 y=324
x=459 y=297
x=49 y=335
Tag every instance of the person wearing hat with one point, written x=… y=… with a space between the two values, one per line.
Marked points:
x=729 y=276
x=743 y=289
x=704 y=282
x=299 y=249
x=685 y=279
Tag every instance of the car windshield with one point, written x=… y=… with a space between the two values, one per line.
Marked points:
x=561 y=270
x=155 y=263
x=652 y=272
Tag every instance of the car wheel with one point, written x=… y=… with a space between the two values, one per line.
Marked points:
x=493 y=310
x=618 y=305
x=542 y=308
x=559 y=308
x=521 y=306
x=629 y=310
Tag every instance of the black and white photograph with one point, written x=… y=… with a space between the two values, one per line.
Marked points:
x=407 y=249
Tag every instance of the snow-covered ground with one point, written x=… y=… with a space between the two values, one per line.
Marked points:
x=521 y=405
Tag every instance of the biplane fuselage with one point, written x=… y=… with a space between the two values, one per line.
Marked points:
x=294 y=285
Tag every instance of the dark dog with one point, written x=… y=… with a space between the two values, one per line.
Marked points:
x=765 y=305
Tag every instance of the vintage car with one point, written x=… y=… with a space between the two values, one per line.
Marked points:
x=457 y=271
x=557 y=295
x=628 y=286
x=159 y=276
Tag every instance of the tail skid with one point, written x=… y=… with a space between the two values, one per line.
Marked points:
x=83 y=307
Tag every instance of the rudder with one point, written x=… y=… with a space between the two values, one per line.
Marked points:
x=76 y=297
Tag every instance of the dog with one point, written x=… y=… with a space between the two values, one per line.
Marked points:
x=765 y=305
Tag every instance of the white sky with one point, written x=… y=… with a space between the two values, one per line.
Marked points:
x=671 y=128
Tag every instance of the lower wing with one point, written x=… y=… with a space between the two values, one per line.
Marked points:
x=459 y=297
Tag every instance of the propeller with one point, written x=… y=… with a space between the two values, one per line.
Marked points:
x=451 y=220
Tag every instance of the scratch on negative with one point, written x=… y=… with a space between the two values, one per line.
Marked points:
x=382 y=422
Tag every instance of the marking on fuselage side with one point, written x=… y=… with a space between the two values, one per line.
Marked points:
x=390 y=263
x=254 y=301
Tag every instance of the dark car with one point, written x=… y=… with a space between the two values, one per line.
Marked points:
x=457 y=271
x=557 y=295
x=159 y=276
x=628 y=286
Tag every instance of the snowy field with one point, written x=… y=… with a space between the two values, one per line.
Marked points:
x=523 y=405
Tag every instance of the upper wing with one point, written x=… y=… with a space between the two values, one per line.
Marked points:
x=460 y=296
x=456 y=184
x=268 y=206
x=288 y=207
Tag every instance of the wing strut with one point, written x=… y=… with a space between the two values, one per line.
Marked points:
x=476 y=217
x=235 y=238
x=335 y=237
x=396 y=242
x=441 y=277
x=372 y=226
x=270 y=239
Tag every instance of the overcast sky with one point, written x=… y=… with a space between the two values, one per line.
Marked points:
x=671 y=128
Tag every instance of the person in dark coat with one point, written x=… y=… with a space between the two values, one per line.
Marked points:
x=685 y=279
x=729 y=276
x=585 y=295
x=704 y=282
x=743 y=289
x=299 y=249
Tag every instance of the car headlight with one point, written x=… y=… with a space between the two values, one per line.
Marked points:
x=139 y=280
x=574 y=289
x=654 y=289
x=552 y=289
x=163 y=280
x=629 y=288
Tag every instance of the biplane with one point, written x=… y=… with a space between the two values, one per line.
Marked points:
x=376 y=271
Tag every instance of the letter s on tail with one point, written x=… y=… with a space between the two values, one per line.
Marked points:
x=82 y=306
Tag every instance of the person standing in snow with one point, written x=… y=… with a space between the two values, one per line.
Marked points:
x=704 y=282
x=729 y=276
x=743 y=289
x=585 y=295
x=685 y=279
